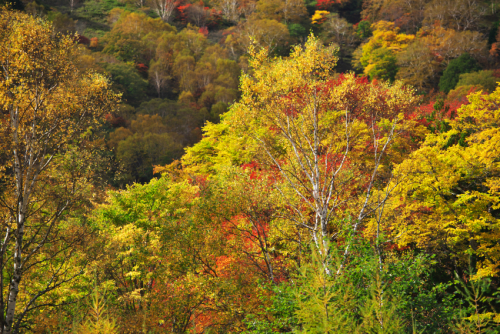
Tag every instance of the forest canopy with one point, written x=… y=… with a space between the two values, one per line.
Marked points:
x=249 y=166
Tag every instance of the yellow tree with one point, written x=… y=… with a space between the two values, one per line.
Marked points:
x=434 y=47
x=377 y=57
x=49 y=112
x=265 y=33
x=450 y=197
x=448 y=44
x=279 y=10
x=328 y=141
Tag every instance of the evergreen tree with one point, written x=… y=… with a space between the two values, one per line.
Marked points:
x=463 y=64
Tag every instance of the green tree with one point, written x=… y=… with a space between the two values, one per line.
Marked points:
x=395 y=297
x=451 y=75
x=145 y=144
x=148 y=255
x=363 y=29
x=481 y=79
x=62 y=23
x=384 y=65
x=127 y=79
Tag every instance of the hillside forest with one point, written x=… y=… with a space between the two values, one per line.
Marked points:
x=250 y=166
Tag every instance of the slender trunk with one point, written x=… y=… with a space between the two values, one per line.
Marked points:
x=19 y=229
x=2 y=265
x=16 y=279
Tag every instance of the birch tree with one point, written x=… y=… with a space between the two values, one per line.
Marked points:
x=48 y=113
x=164 y=8
x=230 y=9
x=332 y=142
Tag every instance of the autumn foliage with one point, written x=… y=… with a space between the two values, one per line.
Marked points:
x=249 y=166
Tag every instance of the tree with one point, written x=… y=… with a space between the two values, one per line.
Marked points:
x=62 y=23
x=35 y=10
x=158 y=75
x=339 y=31
x=481 y=79
x=455 y=14
x=127 y=80
x=421 y=63
x=164 y=8
x=294 y=11
x=319 y=16
x=49 y=112
x=418 y=66
x=383 y=65
x=181 y=121
x=449 y=200
x=128 y=38
x=229 y=8
x=270 y=9
x=407 y=14
x=250 y=211
x=363 y=29
x=267 y=33
x=463 y=64
x=146 y=252
x=447 y=44
x=377 y=57
x=184 y=69
x=147 y=143
x=313 y=132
